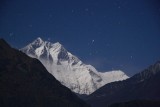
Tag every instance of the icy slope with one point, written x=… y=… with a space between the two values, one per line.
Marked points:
x=68 y=69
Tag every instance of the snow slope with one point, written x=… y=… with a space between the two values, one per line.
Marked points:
x=68 y=69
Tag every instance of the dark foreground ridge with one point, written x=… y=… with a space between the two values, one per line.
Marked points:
x=24 y=82
x=142 y=86
x=137 y=103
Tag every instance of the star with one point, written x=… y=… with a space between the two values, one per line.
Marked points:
x=72 y=11
x=11 y=34
x=90 y=54
x=119 y=7
x=92 y=13
x=96 y=52
x=119 y=22
x=107 y=45
x=131 y=57
x=50 y=15
x=121 y=65
x=86 y=9
x=93 y=41
x=30 y=25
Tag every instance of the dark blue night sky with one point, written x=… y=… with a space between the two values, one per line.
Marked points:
x=108 y=34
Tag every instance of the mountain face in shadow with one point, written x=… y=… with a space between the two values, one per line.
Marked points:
x=142 y=86
x=24 y=82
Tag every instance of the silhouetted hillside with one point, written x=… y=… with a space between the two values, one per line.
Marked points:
x=24 y=82
x=144 y=86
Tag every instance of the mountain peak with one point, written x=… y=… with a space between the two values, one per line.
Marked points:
x=67 y=68
x=39 y=38
x=57 y=44
x=38 y=41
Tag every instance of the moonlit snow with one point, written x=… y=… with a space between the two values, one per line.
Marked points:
x=68 y=69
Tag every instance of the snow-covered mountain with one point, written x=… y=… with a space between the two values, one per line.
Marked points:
x=68 y=69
